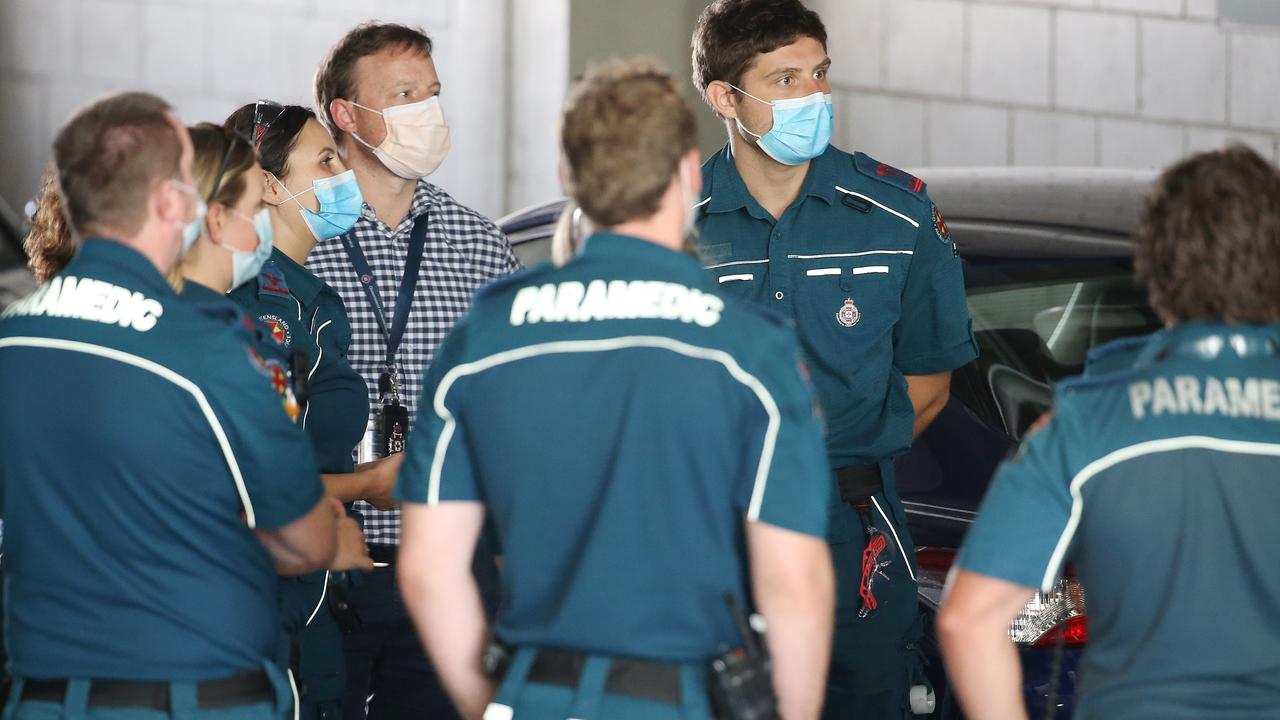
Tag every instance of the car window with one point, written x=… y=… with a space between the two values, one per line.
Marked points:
x=1037 y=329
x=531 y=249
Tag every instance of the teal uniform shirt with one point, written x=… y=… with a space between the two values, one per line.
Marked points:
x=865 y=266
x=1160 y=481
x=140 y=445
x=301 y=311
x=619 y=417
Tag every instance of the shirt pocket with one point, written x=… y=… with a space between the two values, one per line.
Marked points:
x=742 y=278
x=848 y=301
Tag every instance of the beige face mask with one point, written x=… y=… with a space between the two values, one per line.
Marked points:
x=417 y=138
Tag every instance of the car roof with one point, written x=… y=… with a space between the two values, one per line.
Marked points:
x=998 y=211
x=1090 y=199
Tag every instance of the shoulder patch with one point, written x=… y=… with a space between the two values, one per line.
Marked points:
x=271 y=281
x=940 y=227
x=888 y=174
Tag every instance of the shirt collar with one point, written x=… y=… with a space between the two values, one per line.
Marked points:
x=124 y=259
x=425 y=196
x=614 y=247
x=196 y=292
x=1209 y=340
x=729 y=192
x=302 y=283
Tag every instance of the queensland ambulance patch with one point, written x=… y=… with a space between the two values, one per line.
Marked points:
x=940 y=226
x=848 y=315
x=278 y=327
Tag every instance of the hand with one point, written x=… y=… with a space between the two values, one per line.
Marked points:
x=353 y=553
x=382 y=475
x=383 y=503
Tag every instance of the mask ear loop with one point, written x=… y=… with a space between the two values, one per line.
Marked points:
x=385 y=125
x=285 y=188
x=738 y=120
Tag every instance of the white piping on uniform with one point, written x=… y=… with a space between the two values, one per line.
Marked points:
x=299 y=302
x=735 y=262
x=323 y=591
x=314 y=368
x=896 y=541
x=880 y=205
x=167 y=374
x=498 y=711
x=1125 y=454
x=850 y=254
x=293 y=689
x=608 y=345
x=822 y=271
x=869 y=269
x=704 y=202
x=732 y=278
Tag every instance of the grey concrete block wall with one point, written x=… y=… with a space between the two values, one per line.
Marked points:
x=1110 y=83
x=209 y=56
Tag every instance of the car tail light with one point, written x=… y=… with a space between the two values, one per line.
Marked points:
x=1040 y=623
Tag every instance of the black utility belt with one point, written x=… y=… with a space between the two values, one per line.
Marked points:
x=857 y=483
x=632 y=677
x=246 y=688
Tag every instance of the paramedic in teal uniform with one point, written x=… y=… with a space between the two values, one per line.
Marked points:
x=144 y=535
x=1157 y=475
x=857 y=255
x=640 y=441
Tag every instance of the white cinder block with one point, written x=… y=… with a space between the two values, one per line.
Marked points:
x=1255 y=77
x=887 y=128
x=430 y=15
x=27 y=133
x=1184 y=70
x=967 y=135
x=240 y=56
x=1139 y=145
x=1201 y=139
x=110 y=40
x=1053 y=139
x=1009 y=54
x=1206 y=9
x=854 y=37
x=39 y=36
x=1162 y=7
x=925 y=46
x=173 y=46
x=1096 y=62
x=295 y=63
x=1061 y=3
x=67 y=97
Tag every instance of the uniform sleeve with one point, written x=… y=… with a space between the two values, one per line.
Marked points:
x=275 y=460
x=438 y=465
x=787 y=479
x=934 y=333
x=1023 y=527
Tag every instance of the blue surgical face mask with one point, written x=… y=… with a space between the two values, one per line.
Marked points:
x=341 y=204
x=245 y=264
x=801 y=127
x=191 y=230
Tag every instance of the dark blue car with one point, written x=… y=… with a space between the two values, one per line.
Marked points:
x=1048 y=274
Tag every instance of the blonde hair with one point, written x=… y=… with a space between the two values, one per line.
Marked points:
x=623 y=132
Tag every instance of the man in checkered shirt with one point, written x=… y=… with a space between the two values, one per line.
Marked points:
x=378 y=93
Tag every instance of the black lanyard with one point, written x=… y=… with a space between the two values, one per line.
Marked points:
x=408 y=283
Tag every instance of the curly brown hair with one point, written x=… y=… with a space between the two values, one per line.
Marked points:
x=622 y=134
x=1208 y=247
x=50 y=245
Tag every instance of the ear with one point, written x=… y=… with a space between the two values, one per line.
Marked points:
x=213 y=222
x=723 y=99
x=272 y=192
x=169 y=203
x=343 y=114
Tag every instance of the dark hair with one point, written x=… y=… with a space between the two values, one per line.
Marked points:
x=731 y=33
x=50 y=245
x=109 y=155
x=278 y=136
x=335 y=79
x=1208 y=247
x=623 y=132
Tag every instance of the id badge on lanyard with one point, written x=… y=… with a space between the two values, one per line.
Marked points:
x=390 y=427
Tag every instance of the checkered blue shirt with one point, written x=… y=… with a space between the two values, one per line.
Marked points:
x=464 y=250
